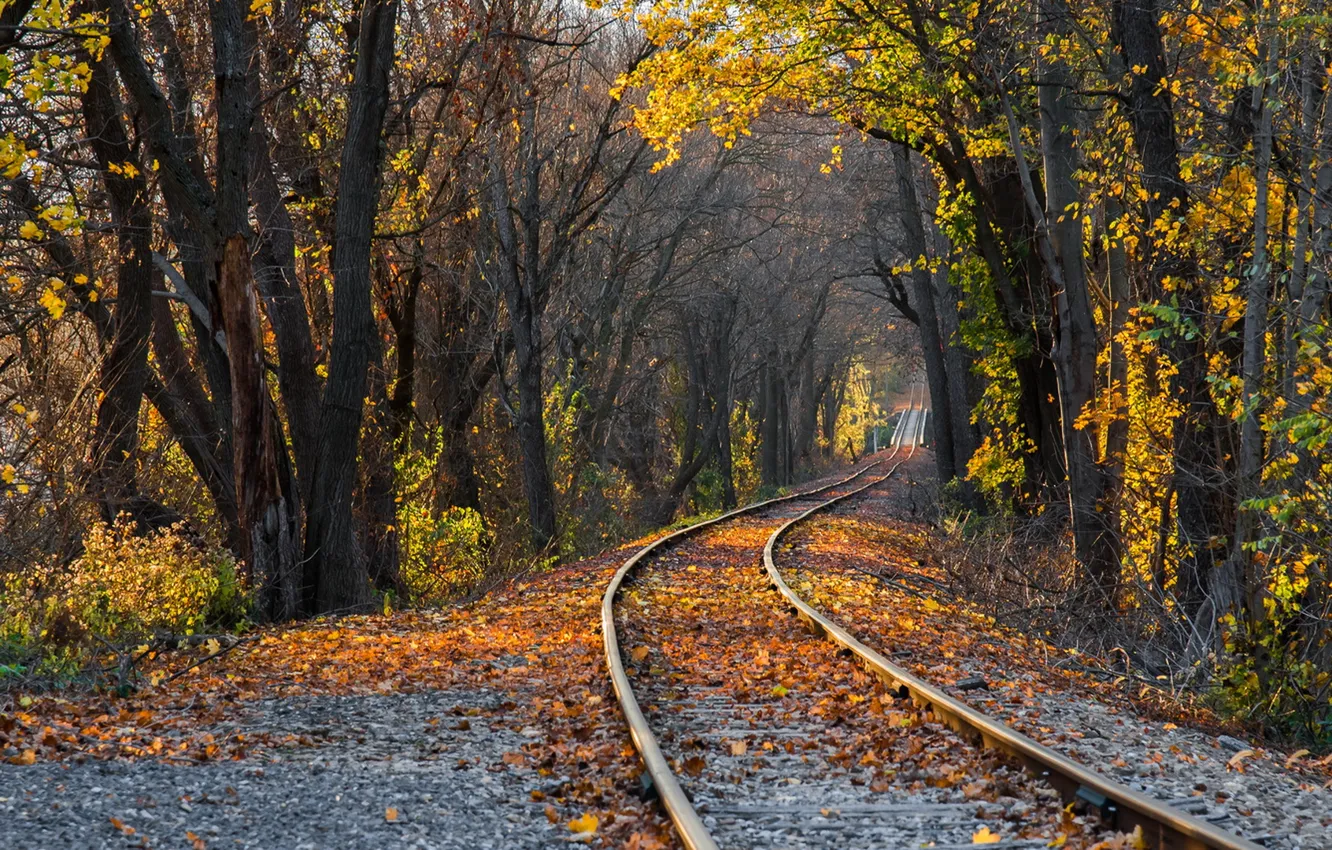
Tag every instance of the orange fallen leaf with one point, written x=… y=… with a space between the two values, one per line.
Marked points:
x=639 y=653
x=1237 y=760
x=738 y=748
x=196 y=843
x=984 y=836
x=586 y=824
x=551 y=814
x=1295 y=756
x=390 y=814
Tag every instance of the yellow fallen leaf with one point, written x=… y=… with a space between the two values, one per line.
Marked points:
x=390 y=814
x=587 y=823
x=1295 y=756
x=985 y=836
x=638 y=653
x=1059 y=840
x=1237 y=760
x=1137 y=840
x=931 y=605
x=212 y=646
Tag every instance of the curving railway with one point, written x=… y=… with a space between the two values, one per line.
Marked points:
x=757 y=729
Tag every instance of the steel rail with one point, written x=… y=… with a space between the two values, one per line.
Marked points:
x=688 y=825
x=1119 y=806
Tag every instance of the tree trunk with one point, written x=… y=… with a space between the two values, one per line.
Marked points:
x=268 y=520
x=922 y=299
x=769 y=429
x=537 y=484
x=1240 y=580
x=1200 y=519
x=124 y=369
x=1094 y=542
x=335 y=573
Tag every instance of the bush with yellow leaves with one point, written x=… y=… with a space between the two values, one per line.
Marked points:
x=121 y=587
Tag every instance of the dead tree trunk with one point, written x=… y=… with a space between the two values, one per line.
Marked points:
x=268 y=517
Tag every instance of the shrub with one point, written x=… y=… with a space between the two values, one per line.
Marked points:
x=121 y=586
x=443 y=554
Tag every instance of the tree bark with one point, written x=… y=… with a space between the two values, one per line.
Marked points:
x=1094 y=541
x=922 y=298
x=335 y=571
x=1239 y=581
x=269 y=519
x=124 y=368
x=1201 y=518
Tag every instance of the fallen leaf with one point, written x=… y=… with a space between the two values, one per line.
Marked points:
x=1237 y=760
x=780 y=690
x=1059 y=840
x=552 y=815
x=1295 y=756
x=639 y=653
x=738 y=748
x=984 y=836
x=196 y=843
x=586 y=824
x=390 y=814
x=693 y=766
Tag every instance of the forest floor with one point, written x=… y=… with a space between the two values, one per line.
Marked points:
x=494 y=725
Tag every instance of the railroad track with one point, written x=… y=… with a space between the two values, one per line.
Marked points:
x=707 y=719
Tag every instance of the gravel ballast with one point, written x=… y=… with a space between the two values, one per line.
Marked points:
x=417 y=770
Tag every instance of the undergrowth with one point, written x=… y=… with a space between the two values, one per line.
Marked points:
x=58 y=615
x=1022 y=569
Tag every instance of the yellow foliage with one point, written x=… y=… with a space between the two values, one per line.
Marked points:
x=121 y=585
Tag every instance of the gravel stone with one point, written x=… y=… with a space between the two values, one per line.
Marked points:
x=447 y=781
